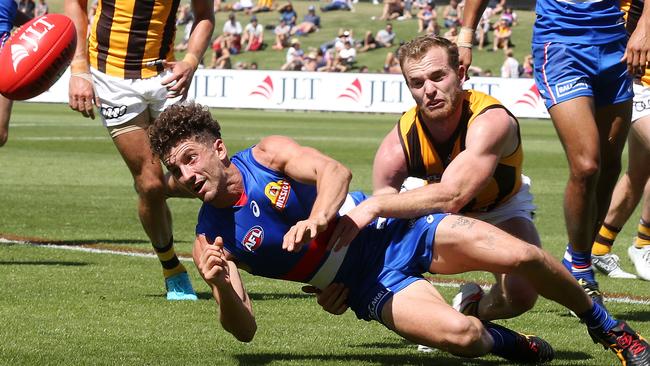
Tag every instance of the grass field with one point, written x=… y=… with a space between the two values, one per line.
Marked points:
x=62 y=180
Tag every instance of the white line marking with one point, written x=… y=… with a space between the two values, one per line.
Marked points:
x=620 y=300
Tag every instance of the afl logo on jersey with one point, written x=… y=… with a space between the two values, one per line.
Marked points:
x=253 y=238
x=278 y=192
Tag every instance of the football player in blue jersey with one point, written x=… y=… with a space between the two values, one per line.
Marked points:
x=271 y=210
x=9 y=16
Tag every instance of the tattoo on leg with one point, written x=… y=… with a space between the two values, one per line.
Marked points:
x=463 y=222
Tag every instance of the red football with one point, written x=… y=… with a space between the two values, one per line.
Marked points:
x=36 y=55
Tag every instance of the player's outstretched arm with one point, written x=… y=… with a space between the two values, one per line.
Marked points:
x=307 y=165
x=81 y=94
x=178 y=83
x=235 y=308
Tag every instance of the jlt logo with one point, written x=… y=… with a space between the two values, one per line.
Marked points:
x=31 y=36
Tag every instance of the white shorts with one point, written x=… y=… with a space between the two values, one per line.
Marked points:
x=641 y=102
x=519 y=205
x=124 y=99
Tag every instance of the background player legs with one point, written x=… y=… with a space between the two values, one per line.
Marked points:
x=5 y=114
x=153 y=211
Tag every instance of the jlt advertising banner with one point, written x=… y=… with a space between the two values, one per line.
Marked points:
x=319 y=91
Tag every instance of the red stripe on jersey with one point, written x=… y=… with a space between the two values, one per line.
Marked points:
x=242 y=199
x=312 y=257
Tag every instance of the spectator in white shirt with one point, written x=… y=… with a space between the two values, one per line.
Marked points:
x=510 y=67
x=253 y=36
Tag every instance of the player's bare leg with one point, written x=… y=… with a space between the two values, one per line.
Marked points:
x=419 y=314
x=5 y=115
x=153 y=211
x=511 y=295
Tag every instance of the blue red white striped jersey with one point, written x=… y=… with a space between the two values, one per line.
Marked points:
x=8 y=10
x=593 y=22
x=254 y=228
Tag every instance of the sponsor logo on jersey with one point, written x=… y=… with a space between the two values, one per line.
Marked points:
x=253 y=238
x=31 y=36
x=113 y=112
x=377 y=300
x=255 y=208
x=571 y=86
x=278 y=192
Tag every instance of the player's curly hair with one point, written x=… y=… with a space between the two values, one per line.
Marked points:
x=418 y=47
x=181 y=122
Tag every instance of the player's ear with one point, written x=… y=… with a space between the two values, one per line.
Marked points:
x=462 y=72
x=220 y=149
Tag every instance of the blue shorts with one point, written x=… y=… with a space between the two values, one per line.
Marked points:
x=382 y=261
x=566 y=71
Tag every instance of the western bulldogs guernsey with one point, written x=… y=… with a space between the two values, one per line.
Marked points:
x=578 y=21
x=381 y=260
x=8 y=10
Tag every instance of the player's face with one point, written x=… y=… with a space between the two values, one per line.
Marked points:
x=199 y=168
x=435 y=86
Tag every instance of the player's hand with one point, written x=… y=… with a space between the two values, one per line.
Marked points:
x=332 y=299
x=302 y=233
x=81 y=95
x=348 y=227
x=178 y=83
x=213 y=264
x=637 y=52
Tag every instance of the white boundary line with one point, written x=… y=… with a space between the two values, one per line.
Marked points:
x=620 y=300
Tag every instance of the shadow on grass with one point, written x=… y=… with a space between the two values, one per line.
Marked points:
x=259 y=296
x=416 y=359
x=42 y=263
x=435 y=358
x=633 y=316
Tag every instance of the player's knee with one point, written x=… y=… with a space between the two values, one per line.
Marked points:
x=585 y=168
x=521 y=298
x=463 y=337
x=150 y=189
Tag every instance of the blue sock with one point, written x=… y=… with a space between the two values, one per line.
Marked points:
x=598 y=317
x=504 y=338
x=581 y=266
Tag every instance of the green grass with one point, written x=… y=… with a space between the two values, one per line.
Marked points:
x=62 y=179
x=358 y=22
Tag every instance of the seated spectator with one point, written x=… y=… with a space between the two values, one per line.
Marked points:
x=282 y=33
x=337 y=43
x=185 y=18
x=393 y=9
x=428 y=20
x=363 y=69
x=496 y=6
x=310 y=23
x=253 y=66
x=294 y=58
x=383 y=38
x=509 y=16
x=391 y=64
x=27 y=7
x=452 y=34
x=230 y=37
x=527 y=67
x=337 y=5
x=451 y=14
x=345 y=58
x=288 y=14
x=241 y=65
x=221 y=59
x=243 y=5
x=483 y=28
x=41 y=8
x=310 y=61
x=253 y=36
x=510 y=66
x=421 y=4
x=263 y=6
x=502 y=33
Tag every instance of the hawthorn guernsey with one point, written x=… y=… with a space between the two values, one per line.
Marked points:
x=38 y=52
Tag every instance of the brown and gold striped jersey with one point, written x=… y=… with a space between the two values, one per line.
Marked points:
x=428 y=161
x=633 y=10
x=130 y=38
